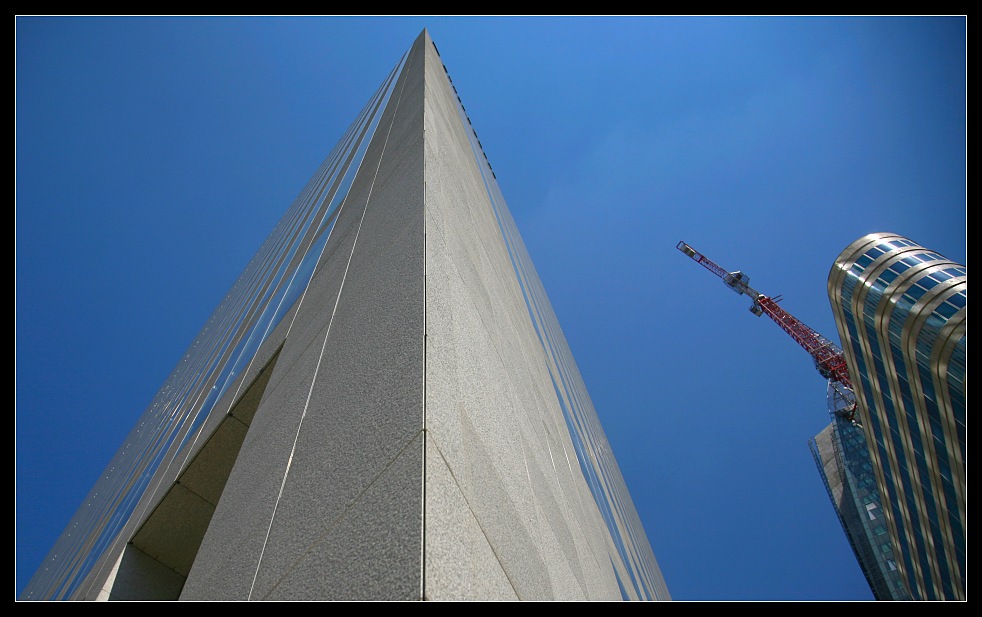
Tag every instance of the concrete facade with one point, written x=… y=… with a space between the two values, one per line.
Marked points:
x=384 y=407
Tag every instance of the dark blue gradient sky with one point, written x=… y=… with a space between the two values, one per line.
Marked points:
x=154 y=155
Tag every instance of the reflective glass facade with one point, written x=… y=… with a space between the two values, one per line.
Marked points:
x=901 y=313
x=843 y=461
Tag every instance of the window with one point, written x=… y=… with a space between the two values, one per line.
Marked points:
x=870 y=511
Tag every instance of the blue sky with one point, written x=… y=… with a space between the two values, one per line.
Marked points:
x=154 y=155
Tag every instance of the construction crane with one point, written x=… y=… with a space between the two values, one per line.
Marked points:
x=829 y=359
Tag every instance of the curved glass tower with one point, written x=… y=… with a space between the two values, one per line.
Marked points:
x=901 y=312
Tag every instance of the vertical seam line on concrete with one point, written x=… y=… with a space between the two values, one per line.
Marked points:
x=327 y=335
x=327 y=241
x=422 y=517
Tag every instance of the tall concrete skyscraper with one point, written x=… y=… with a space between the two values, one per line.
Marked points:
x=901 y=312
x=383 y=407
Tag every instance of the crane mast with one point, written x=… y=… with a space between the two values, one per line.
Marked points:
x=829 y=359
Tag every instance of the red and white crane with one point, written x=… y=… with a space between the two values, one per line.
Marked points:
x=829 y=359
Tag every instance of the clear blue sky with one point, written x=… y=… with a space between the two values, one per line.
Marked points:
x=154 y=155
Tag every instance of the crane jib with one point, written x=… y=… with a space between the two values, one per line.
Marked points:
x=829 y=359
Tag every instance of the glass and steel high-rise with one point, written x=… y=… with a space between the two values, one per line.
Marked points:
x=901 y=313
x=383 y=407
x=843 y=461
